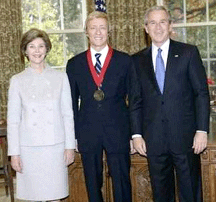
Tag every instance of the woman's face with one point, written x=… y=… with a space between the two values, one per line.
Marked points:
x=36 y=51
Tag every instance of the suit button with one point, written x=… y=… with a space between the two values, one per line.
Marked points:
x=33 y=110
x=99 y=106
x=163 y=120
x=162 y=102
x=34 y=124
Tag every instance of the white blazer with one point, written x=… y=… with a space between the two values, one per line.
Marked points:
x=39 y=110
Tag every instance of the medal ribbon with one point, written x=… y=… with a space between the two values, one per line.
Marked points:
x=98 y=78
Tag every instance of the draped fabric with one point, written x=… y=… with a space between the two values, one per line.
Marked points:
x=126 y=19
x=10 y=35
x=90 y=6
x=127 y=34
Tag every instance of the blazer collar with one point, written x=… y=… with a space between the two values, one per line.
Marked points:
x=173 y=59
x=148 y=64
x=173 y=54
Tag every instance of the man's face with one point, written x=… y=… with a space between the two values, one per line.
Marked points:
x=97 y=32
x=158 y=27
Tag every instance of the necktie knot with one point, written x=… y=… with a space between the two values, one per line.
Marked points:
x=98 y=63
x=97 y=55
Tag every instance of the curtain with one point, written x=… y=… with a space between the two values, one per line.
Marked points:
x=126 y=19
x=90 y=6
x=10 y=35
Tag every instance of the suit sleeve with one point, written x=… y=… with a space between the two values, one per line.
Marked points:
x=135 y=100
x=67 y=114
x=14 y=117
x=74 y=91
x=198 y=80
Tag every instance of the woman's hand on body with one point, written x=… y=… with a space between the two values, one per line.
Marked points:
x=69 y=155
x=16 y=163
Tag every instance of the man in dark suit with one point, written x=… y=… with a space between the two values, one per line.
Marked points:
x=103 y=78
x=175 y=111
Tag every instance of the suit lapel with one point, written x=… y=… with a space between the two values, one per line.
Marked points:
x=173 y=54
x=148 y=64
x=86 y=72
x=112 y=71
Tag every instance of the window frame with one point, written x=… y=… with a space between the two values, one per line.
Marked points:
x=65 y=31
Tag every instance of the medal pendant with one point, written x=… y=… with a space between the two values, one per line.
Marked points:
x=98 y=95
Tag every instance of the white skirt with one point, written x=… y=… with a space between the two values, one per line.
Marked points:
x=44 y=175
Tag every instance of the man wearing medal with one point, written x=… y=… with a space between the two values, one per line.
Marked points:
x=101 y=80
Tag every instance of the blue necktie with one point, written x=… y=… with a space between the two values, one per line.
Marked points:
x=160 y=70
x=98 y=63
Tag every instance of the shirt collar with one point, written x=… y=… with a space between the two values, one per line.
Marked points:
x=104 y=51
x=164 y=47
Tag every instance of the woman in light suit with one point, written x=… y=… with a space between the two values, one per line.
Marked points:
x=40 y=124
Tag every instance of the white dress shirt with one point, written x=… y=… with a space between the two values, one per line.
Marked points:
x=103 y=53
x=164 y=53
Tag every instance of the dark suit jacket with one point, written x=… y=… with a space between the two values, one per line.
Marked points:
x=110 y=122
x=171 y=119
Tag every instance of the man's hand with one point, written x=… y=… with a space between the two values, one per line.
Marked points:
x=200 y=142
x=69 y=155
x=139 y=145
x=16 y=163
x=132 y=150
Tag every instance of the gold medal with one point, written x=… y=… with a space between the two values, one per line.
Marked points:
x=98 y=95
x=98 y=79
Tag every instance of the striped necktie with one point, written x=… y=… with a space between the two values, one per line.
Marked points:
x=98 y=63
x=160 y=70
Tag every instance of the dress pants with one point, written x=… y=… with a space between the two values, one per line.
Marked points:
x=119 y=170
x=188 y=174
